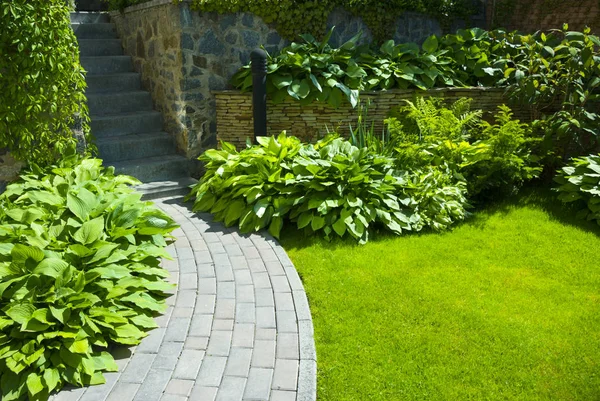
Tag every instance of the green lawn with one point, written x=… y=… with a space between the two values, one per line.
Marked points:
x=504 y=307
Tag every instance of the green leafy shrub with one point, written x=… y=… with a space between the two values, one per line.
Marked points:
x=487 y=156
x=580 y=183
x=42 y=81
x=330 y=187
x=79 y=270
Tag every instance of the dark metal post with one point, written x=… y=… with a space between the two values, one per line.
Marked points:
x=259 y=92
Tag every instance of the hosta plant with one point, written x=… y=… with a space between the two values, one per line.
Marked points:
x=79 y=270
x=331 y=187
x=580 y=183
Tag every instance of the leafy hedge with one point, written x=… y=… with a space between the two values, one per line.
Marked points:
x=42 y=81
x=330 y=187
x=79 y=270
x=580 y=183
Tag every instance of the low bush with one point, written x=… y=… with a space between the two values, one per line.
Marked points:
x=79 y=270
x=486 y=156
x=42 y=81
x=330 y=187
x=580 y=183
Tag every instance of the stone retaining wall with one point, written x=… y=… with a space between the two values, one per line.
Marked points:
x=235 y=122
x=184 y=56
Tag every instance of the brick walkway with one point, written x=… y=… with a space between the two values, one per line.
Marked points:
x=237 y=328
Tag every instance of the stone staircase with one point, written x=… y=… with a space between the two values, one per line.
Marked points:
x=128 y=131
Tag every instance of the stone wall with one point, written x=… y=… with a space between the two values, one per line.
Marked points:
x=235 y=123
x=533 y=15
x=184 y=56
x=9 y=168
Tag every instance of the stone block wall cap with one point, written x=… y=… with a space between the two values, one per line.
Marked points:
x=147 y=5
x=446 y=89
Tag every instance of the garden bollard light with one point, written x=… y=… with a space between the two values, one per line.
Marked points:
x=259 y=92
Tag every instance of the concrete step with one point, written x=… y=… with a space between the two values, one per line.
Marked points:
x=151 y=169
x=124 y=124
x=100 y=47
x=102 y=104
x=100 y=30
x=179 y=186
x=135 y=146
x=125 y=82
x=86 y=17
x=106 y=64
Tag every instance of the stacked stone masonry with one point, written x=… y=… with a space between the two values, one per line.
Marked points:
x=184 y=56
x=235 y=122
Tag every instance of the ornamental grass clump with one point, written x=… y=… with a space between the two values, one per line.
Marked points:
x=331 y=187
x=79 y=270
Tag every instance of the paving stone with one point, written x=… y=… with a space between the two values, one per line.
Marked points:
x=307 y=384
x=151 y=344
x=268 y=255
x=170 y=265
x=256 y=265
x=201 y=325
x=137 y=368
x=285 y=376
x=225 y=309
x=173 y=397
x=233 y=249
x=264 y=297
x=188 y=281
x=258 y=385
x=188 y=365
x=206 y=270
x=167 y=356
x=223 y=324
x=251 y=253
x=123 y=391
x=284 y=301
x=302 y=308
x=179 y=387
x=280 y=395
x=207 y=286
x=202 y=257
x=245 y=313
x=242 y=277
x=243 y=335
x=205 y=304
x=188 y=266
x=177 y=330
x=185 y=253
x=265 y=317
x=216 y=249
x=275 y=268
x=219 y=343
x=225 y=289
x=244 y=293
x=238 y=363
x=239 y=262
x=280 y=284
x=183 y=312
x=306 y=340
x=211 y=371
x=263 y=355
x=287 y=346
x=163 y=319
x=94 y=393
x=202 y=393
x=185 y=298
x=231 y=389
x=198 y=343
x=286 y=322
x=153 y=386
x=261 y=280
x=266 y=334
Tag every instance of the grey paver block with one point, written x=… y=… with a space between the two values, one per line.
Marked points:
x=225 y=309
x=293 y=278
x=263 y=355
x=216 y=249
x=123 y=391
x=280 y=284
x=251 y=253
x=224 y=273
x=245 y=313
x=265 y=317
x=197 y=343
x=137 y=368
x=264 y=297
x=219 y=343
x=177 y=329
x=286 y=321
x=202 y=393
x=258 y=385
x=225 y=289
x=202 y=257
x=186 y=298
x=179 y=387
x=100 y=392
x=261 y=280
x=275 y=268
x=187 y=266
x=205 y=270
x=306 y=340
x=268 y=255
x=201 y=325
x=256 y=265
x=266 y=334
x=281 y=395
x=238 y=363
x=223 y=324
x=151 y=344
x=284 y=301
x=207 y=286
x=185 y=253
x=211 y=371
x=221 y=259
x=242 y=277
x=243 y=335
x=163 y=320
x=287 y=346
x=231 y=389
x=188 y=281
x=205 y=304
x=302 y=307
x=239 y=262
x=173 y=397
x=307 y=383
x=233 y=250
x=170 y=265
x=188 y=365
x=153 y=386
x=244 y=293
x=69 y=394
x=167 y=356
x=183 y=312
x=286 y=374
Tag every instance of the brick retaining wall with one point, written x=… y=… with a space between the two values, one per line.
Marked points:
x=235 y=122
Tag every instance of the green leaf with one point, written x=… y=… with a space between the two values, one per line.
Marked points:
x=34 y=384
x=51 y=267
x=90 y=231
x=51 y=378
x=431 y=44
x=21 y=313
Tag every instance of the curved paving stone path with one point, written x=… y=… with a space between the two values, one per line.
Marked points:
x=238 y=326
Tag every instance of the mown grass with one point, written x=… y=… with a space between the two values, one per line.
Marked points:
x=504 y=307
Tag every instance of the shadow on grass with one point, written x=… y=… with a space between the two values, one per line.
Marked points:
x=537 y=195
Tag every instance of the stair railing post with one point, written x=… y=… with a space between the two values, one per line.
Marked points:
x=259 y=92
